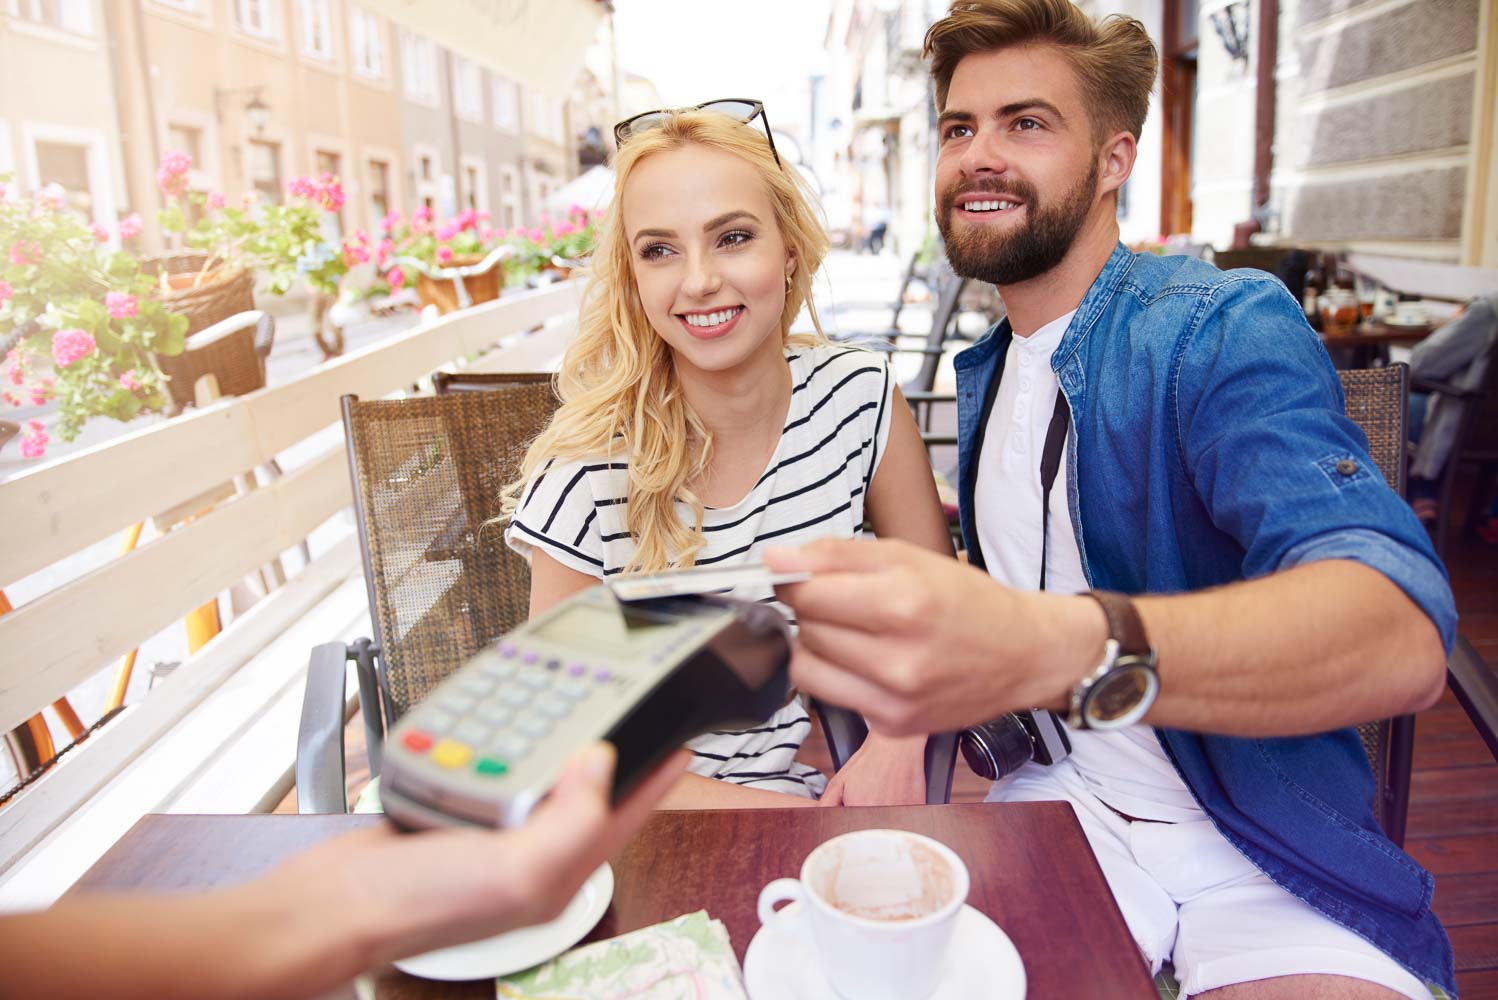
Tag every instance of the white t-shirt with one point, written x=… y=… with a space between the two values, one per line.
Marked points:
x=1126 y=768
x=814 y=486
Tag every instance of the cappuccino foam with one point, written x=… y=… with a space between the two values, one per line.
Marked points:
x=885 y=878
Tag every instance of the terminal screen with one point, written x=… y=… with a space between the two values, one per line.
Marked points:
x=606 y=630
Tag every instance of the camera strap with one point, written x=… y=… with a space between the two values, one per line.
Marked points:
x=1050 y=464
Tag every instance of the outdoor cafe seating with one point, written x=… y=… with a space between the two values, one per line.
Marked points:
x=439 y=584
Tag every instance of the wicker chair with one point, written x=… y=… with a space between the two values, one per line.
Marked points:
x=427 y=474
x=1377 y=402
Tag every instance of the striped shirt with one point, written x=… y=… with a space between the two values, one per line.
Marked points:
x=813 y=487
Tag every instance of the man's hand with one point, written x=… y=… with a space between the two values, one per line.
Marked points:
x=885 y=771
x=919 y=643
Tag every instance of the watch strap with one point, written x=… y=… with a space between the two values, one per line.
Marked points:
x=1124 y=624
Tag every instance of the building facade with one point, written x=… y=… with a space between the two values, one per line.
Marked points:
x=68 y=136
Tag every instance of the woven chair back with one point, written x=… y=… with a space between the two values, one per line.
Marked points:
x=1378 y=402
x=427 y=475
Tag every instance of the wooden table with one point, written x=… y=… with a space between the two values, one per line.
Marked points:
x=1032 y=872
x=1369 y=342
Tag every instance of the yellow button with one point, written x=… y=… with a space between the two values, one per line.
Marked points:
x=451 y=753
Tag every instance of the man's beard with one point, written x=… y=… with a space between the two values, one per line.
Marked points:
x=1008 y=258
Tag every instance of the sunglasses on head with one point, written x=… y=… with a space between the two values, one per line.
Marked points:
x=740 y=109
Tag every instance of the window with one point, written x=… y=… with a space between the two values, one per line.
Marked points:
x=317 y=28
x=256 y=17
x=368 y=44
x=506 y=104
x=425 y=168
x=265 y=169
x=468 y=89
x=186 y=139
x=419 y=68
x=475 y=193
x=66 y=165
x=509 y=197
x=69 y=15
x=379 y=191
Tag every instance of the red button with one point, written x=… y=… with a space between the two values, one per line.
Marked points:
x=417 y=740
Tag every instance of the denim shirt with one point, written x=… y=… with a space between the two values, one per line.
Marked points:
x=1208 y=445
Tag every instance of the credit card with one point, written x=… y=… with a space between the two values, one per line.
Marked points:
x=698 y=580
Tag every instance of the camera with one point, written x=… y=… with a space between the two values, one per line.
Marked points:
x=1004 y=745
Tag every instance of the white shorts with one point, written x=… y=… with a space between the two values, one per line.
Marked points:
x=1189 y=896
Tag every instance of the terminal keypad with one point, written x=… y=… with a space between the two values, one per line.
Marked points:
x=491 y=717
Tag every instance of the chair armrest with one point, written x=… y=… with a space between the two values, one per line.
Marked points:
x=1476 y=687
x=1444 y=388
x=319 y=746
x=941 y=765
x=923 y=396
x=938 y=440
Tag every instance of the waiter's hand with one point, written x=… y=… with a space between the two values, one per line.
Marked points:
x=921 y=643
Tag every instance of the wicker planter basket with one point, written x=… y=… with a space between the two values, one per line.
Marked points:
x=221 y=294
x=443 y=293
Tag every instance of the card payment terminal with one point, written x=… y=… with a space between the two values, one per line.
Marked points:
x=491 y=739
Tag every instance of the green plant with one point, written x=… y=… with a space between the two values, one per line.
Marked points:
x=279 y=242
x=79 y=319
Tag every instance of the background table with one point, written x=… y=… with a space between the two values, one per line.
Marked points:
x=1032 y=872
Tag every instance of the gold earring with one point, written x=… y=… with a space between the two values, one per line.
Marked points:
x=788 y=282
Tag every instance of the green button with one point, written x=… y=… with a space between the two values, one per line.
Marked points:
x=491 y=766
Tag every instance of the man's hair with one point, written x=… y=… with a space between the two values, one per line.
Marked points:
x=1114 y=59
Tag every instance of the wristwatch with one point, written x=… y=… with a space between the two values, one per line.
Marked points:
x=1125 y=684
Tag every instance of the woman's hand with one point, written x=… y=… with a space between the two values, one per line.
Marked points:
x=885 y=771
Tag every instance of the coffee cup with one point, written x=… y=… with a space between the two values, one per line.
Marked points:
x=880 y=906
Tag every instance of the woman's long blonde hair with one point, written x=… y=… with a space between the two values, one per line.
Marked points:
x=618 y=385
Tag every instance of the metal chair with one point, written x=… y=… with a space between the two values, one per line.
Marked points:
x=427 y=474
x=1377 y=401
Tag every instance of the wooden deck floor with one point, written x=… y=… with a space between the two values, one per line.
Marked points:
x=1453 y=820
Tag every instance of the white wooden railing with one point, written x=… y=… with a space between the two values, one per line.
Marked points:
x=53 y=643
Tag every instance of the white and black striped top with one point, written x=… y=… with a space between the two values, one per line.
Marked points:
x=813 y=487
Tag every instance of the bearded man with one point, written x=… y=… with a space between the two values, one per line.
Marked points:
x=1280 y=592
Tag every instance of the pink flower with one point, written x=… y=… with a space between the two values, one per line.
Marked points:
x=6 y=293
x=34 y=441
x=499 y=234
x=15 y=373
x=566 y=229
x=331 y=197
x=70 y=345
x=390 y=221
x=171 y=176
x=129 y=381
x=447 y=231
x=41 y=393
x=131 y=227
x=10 y=398
x=486 y=235
x=214 y=201
x=355 y=253
x=383 y=250
x=101 y=235
x=423 y=214
x=444 y=254
x=396 y=277
x=23 y=252
x=121 y=306
x=535 y=236
x=302 y=187
x=576 y=209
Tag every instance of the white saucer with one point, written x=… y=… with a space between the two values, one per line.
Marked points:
x=1414 y=321
x=781 y=965
x=522 y=948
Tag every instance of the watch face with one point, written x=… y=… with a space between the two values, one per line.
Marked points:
x=1121 y=697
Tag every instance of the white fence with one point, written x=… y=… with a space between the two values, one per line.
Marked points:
x=51 y=644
